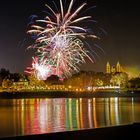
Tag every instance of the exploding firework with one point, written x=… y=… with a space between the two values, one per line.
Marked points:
x=59 y=43
x=40 y=69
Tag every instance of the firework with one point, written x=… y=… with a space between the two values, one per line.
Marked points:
x=40 y=69
x=59 y=43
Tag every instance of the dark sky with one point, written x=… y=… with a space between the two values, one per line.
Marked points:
x=120 y=19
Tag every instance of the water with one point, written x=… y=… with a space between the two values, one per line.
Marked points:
x=37 y=116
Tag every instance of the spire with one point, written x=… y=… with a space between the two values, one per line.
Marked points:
x=118 y=63
x=108 y=68
x=118 y=67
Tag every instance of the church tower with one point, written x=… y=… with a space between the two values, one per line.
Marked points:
x=118 y=67
x=108 y=68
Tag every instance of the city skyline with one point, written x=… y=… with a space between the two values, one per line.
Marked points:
x=118 y=25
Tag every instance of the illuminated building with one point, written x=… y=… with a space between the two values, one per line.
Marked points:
x=113 y=69
x=108 y=68
x=21 y=83
x=118 y=67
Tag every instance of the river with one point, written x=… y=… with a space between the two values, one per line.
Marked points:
x=37 y=116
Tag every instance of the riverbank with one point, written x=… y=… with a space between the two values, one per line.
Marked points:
x=67 y=94
x=130 y=131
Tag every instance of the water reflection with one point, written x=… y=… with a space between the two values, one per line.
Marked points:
x=35 y=116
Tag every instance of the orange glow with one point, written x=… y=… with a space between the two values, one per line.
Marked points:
x=81 y=114
x=94 y=113
x=77 y=114
x=133 y=71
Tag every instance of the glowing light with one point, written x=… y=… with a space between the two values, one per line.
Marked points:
x=59 y=42
x=133 y=71
x=40 y=70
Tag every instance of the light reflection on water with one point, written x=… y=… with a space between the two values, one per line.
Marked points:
x=36 y=116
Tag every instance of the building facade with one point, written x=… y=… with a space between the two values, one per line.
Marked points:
x=113 y=69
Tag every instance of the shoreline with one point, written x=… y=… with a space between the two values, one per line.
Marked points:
x=66 y=94
x=103 y=133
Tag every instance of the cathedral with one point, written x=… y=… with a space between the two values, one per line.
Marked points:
x=113 y=69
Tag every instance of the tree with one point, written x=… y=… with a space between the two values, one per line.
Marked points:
x=15 y=77
x=134 y=83
x=3 y=74
x=6 y=83
x=35 y=83
x=53 y=79
x=119 y=79
x=98 y=82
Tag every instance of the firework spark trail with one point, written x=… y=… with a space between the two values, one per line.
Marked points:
x=41 y=70
x=59 y=43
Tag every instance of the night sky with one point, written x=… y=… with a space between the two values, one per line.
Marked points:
x=118 y=22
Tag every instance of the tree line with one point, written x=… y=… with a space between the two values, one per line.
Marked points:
x=81 y=79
